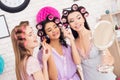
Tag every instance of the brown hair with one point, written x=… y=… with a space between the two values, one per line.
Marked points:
x=21 y=53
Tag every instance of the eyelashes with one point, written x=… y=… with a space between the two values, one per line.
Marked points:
x=78 y=18
x=53 y=27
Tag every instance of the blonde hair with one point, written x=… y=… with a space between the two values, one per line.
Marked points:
x=21 y=53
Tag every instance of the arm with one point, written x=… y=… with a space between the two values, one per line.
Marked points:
x=41 y=75
x=80 y=72
x=108 y=58
x=52 y=70
x=75 y=54
x=45 y=71
x=33 y=68
x=38 y=75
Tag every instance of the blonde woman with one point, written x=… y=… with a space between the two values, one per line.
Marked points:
x=24 y=41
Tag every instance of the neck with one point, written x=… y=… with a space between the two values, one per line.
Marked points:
x=55 y=43
x=82 y=33
x=31 y=51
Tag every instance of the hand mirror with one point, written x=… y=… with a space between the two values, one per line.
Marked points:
x=103 y=36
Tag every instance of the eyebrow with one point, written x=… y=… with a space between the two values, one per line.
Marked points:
x=50 y=28
x=31 y=30
x=78 y=15
x=54 y=25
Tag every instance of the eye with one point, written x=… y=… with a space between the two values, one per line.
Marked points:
x=56 y=26
x=71 y=21
x=49 y=30
x=79 y=17
x=31 y=34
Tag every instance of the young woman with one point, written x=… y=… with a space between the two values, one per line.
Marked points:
x=24 y=41
x=62 y=62
x=90 y=55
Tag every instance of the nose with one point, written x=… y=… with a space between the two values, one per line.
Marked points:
x=76 y=22
x=53 y=30
x=34 y=36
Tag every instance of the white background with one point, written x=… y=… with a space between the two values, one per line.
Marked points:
x=94 y=7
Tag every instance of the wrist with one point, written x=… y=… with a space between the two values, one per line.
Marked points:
x=44 y=62
x=79 y=67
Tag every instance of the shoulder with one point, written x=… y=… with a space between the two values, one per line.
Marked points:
x=32 y=60
x=32 y=65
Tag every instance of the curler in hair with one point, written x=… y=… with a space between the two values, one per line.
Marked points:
x=39 y=26
x=65 y=13
x=57 y=21
x=83 y=10
x=50 y=17
x=74 y=7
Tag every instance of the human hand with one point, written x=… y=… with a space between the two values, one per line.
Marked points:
x=106 y=62
x=68 y=33
x=46 y=51
x=107 y=58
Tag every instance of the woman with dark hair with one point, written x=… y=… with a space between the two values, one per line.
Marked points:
x=62 y=62
x=90 y=55
x=24 y=41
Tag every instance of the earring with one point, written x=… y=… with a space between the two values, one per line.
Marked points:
x=47 y=37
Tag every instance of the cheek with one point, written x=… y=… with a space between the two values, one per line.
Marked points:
x=49 y=34
x=72 y=25
x=82 y=20
x=57 y=29
x=29 y=42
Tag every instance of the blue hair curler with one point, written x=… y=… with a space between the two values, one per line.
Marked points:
x=1 y=65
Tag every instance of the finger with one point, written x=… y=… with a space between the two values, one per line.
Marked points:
x=44 y=40
x=47 y=45
x=43 y=45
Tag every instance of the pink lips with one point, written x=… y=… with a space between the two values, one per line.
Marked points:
x=54 y=34
x=35 y=40
x=78 y=26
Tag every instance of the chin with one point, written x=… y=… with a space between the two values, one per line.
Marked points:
x=56 y=37
x=36 y=44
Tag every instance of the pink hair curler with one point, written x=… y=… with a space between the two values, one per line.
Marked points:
x=45 y=11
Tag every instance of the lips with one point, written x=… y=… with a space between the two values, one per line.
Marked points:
x=78 y=26
x=35 y=40
x=55 y=34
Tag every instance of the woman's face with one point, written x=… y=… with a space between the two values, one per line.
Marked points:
x=31 y=38
x=52 y=30
x=76 y=21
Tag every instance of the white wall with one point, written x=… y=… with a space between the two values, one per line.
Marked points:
x=94 y=7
